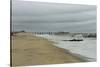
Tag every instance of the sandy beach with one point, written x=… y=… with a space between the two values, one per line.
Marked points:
x=30 y=50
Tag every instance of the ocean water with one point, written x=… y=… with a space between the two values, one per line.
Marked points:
x=86 y=48
x=54 y=17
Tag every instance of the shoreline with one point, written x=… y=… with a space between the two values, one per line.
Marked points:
x=85 y=58
x=26 y=52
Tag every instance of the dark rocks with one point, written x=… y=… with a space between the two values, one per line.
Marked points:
x=74 y=40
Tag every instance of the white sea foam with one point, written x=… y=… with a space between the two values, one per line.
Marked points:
x=86 y=48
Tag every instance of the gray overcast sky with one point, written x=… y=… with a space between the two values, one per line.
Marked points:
x=88 y=2
x=40 y=16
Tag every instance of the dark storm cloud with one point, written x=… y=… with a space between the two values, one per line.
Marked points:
x=38 y=16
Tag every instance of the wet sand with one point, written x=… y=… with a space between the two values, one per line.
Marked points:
x=31 y=50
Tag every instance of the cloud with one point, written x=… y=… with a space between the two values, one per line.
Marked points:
x=38 y=16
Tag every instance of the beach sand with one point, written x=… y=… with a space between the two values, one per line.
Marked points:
x=30 y=50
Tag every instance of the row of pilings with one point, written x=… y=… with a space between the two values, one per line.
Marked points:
x=50 y=33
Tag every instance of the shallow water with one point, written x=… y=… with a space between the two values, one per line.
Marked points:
x=86 y=48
